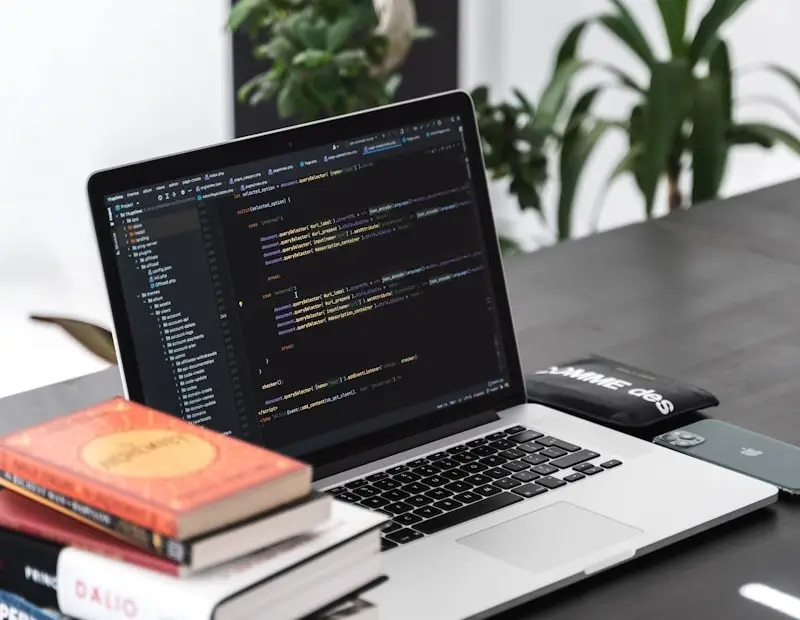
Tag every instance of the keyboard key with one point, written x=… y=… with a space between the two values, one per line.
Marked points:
x=493 y=461
x=374 y=502
x=514 y=430
x=483 y=451
x=592 y=471
x=544 y=470
x=467 y=497
x=550 y=482
x=417 y=463
x=525 y=436
x=610 y=464
x=515 y=466
x=428 y=512
x=512 y=454
x=401 y=537
x=398 y=508
x=474 y=468
x=534 y=459
x=381 y=475
x=574 y=477
x=406 y=477
x=415 y=488
x=348 y=497
x=553 y=453
x=387 y=485
x=487 y=490
x=496 y=436
x=558 y=443
x=496 y=473
x=478 y=480
x=434 y=481
x=427 y=470
x=457 y=449
x=437 y=455
x=482 y=507
x=387 y=544
x=395 y=495
x=574 y=459
x=408 y=518
x=398 y=469
x=583 y=466
x=447 y=463
x=529 y=490
x=418 y=501
x=458 y=486
x=391 y=526
x=439 y=494
x=502 y=444
x=454 y=474
x=530 y=447
x=506 y=483
x=525 y=476
x=447 y=504
x=477 y=442
x=354 y=484
x=466 y=457
x=335 y=490
x=367 y=491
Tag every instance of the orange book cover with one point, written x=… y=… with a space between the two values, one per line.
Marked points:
x=138 y=464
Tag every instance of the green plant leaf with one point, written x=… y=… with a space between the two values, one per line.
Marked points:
x=624 y=27
x=708 y=141
x=720 y=66
x=707 y=34
x=568 y=49
x=766 y=132
x=94 y=338
x=421 y=33
x=340 y=34
x=241 y=12
x=551 y=103
x=312 y=59
x=744 y=136
x=662 y=119
x=289 y=98
x=623 y=77
x=787 y=75
x=673 y=16
x=524 y=102
x=480 y=97
x=578 y=145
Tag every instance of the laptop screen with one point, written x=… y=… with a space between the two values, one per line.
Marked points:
x=313 y=297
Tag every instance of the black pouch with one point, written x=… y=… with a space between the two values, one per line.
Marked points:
x=617 y=395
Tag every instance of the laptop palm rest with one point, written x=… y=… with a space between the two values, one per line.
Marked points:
x=554 y=535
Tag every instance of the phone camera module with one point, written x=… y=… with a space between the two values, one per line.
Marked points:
x=682 y=439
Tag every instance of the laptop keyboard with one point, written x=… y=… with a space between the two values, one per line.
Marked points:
x=468 y=480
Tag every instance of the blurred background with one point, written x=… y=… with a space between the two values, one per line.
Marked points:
x=89 y=84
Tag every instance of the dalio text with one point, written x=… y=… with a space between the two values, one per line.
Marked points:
x=664 y=406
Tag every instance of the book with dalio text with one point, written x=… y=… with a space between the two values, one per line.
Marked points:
x=338 y=558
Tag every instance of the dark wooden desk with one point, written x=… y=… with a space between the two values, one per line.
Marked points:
x=711 y=296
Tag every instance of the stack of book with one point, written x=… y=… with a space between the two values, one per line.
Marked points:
x=120 y=511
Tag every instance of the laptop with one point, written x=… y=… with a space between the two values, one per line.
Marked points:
x=335 y=291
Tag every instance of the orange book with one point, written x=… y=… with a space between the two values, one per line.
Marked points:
x=137 y=472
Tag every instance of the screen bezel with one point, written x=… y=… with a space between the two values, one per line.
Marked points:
x=263 y=146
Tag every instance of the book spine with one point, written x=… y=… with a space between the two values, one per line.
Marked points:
x=92 y=587
x=13 y=607
x=91 y=494
x=132 y=533
x=29 y=568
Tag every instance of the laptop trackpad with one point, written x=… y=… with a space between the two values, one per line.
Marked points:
x=549 y=537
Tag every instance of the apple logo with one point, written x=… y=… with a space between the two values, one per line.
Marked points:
x=751 y=452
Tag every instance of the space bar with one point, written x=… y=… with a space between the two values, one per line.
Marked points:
x=437 y=524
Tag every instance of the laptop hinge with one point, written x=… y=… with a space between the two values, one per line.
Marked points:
x=407 y=443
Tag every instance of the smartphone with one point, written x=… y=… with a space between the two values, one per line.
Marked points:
x=738 y=449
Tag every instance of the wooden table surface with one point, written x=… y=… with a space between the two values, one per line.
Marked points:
x=711 y=296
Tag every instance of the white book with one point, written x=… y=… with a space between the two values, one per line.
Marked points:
x=286 y=581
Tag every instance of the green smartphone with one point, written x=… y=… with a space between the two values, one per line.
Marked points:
x=738 y=449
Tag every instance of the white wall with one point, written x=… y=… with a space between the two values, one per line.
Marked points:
x=511 y=43
x=87 y=84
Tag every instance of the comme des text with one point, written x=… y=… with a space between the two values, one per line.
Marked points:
x=664 y=405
